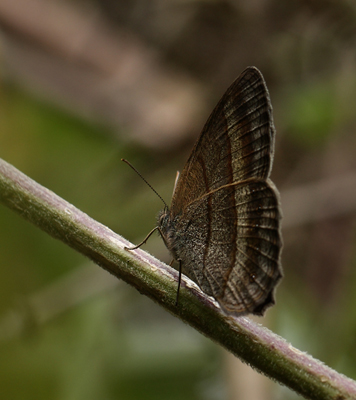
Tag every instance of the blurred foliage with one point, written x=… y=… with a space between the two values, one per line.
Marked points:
x=96 y=350
x=117 y=344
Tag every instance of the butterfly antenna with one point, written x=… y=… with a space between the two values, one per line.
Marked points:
x=130 y=165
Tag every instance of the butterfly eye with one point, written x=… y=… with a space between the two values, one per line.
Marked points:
x=163 y=217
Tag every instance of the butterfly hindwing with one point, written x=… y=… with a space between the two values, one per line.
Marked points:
x=235 y=258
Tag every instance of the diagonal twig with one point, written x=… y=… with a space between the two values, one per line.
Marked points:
x=263 y=350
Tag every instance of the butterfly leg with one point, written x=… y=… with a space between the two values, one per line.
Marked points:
x=143 y=241
x=179 y=280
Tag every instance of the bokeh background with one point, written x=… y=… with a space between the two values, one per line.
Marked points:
x=85 y=83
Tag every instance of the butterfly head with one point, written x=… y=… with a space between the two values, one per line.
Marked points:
x=167 y=228
x=163 y=218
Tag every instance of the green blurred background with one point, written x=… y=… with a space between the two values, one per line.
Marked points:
x=84 y=84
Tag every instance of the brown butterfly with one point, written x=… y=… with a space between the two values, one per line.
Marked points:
x=223 y=226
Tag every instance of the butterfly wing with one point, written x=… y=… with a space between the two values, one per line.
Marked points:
x=224 y=220
x=237 y=142
x=235 y=258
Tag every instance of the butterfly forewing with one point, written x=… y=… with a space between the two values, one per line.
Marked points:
x=236 y=143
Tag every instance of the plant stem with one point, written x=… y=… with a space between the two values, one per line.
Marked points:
x=253 y=344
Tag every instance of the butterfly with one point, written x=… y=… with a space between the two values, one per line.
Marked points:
x=223 y=225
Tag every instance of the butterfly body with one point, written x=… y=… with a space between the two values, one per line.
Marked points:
x=223 y=225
